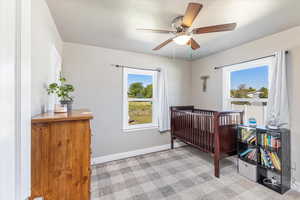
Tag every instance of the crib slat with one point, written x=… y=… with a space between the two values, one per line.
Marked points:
x=199 y=129
x=208 y=134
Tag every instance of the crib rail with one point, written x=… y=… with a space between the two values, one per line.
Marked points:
x=208 y=130
x=194 y=127
x=199 y=127
x=230 y=118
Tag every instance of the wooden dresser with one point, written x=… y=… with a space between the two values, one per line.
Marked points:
x=60 y=156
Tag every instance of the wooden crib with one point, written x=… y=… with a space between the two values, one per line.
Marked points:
x=210 y=131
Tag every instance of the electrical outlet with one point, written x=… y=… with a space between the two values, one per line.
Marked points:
x=294 y=166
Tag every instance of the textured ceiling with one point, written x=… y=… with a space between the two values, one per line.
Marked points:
x=113 y=23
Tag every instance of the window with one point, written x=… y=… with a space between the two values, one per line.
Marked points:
x=139 y=99
x=246 y=87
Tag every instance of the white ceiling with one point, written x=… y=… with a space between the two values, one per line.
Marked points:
x=113 y=23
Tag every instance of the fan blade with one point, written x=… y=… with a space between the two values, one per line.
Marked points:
x=217 y=28
x=164 y=44
x=191 y=13
x=194 y=45
x=155 y=30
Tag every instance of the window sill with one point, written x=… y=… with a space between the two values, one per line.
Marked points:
x=139 y=129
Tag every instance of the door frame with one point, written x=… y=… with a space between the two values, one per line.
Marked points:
x=15 y=102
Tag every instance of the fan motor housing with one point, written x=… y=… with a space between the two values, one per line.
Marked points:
x=177 y=24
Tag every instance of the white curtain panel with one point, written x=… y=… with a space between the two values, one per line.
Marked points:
x=278 y=106
x=163 y=105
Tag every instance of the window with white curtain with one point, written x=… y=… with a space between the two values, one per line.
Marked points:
x=139 y=99
x=246 y=87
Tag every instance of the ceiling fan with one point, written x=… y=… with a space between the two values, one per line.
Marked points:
x=182 y=24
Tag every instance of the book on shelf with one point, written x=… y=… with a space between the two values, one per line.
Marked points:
x=270 y=159
x=269 y=140
x=248 y=136
x=249 y=154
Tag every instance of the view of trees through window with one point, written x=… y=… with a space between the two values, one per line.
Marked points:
x=140 y=93
x=137 y=90
x=250 y=84
x=243 y=91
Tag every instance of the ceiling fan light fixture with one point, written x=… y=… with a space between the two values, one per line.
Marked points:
x=182 y=35
x=182 y=39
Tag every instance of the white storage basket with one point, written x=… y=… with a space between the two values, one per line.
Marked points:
x=248 y=170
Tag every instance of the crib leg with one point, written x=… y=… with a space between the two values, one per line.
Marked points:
x=172 y=142
x=217 y=166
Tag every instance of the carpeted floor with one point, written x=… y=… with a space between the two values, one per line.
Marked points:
x=184 y=173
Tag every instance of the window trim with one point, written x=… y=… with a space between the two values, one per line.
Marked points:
x=154 y=100
x=226 y=72
x=248 y=65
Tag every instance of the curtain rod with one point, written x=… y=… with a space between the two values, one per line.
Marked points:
x=223 y=66
x=146 y=69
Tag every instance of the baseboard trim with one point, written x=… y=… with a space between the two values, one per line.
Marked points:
x=118 y=156
x=296 y=186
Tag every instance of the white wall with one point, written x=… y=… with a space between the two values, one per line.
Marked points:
x=44 y=37
x=98 y=86
x=212 y=99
